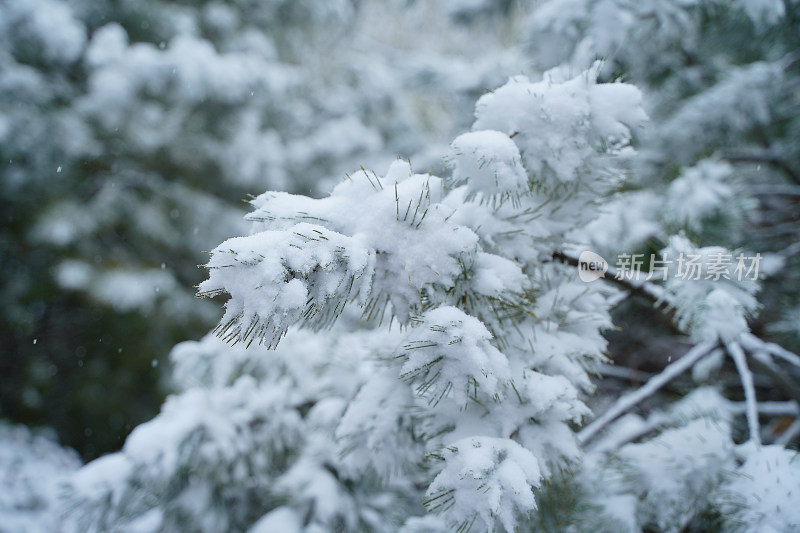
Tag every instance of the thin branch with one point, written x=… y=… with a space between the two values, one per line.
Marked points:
x=774 y=189
x=620 y=438
x=648 y=291
x=739 y=359
x=789 y=251
x=654 y=294
x=790 y=433
x=753 y=343
x=622 y=372
x=766 y=157
x=660 y=419
x=759 y=348
x=763 y=364
x=630 y=400
x=768 y=408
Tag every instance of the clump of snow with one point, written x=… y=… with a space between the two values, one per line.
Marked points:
x=102 y=478
x=282 y=519
x=72 y=274
x=489 y=163
x=417 y=243
x=493 y=275
x=573 y=137
x=487 y=479
x=763 y=11
x=663 y=482
x=124 y=289
x=676 y=470
x=49 y=25
x=108 y=44
x=64 y=223
x=451 y=351
x=375 y=430
x=277 y=278
x=208 y=434
x=718 y=115
x=698 y=193
x=710 y=289
x=130 y=290
x=253 y=428
x=562 y=126
x=227 y=420
x=762 y=494
x=32 y=469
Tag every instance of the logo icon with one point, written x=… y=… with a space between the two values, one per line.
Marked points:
x=591 y=266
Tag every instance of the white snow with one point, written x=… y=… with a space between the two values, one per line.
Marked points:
x=761 y=495
x=489 y=163
x=32 y=469
x=487 y=477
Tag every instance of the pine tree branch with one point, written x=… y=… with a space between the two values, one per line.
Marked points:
x=777 y=376
x=653 y=422
x=653 y=293
x=661 y=419
x=622 y=372
x=746 y=377
x=748 y=341
x=791 y=432
x=753 y=343
x=766 y=157
x=643 y=289
x=760 y=361
x=768 y=408
x=630 y=400
x=774 y=189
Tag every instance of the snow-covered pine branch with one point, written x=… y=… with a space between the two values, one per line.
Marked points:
x=469 y=406
x=712 y=180
x=461 y=386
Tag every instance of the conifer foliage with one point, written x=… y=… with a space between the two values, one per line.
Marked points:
x=417 y=353
x=456 y=392
x=130 y=132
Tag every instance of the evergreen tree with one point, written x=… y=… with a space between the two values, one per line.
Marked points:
x=462 y=387
x=129 y=134
x=719 y=162
x=31 y=469
x=459 y=390
x=717 y=166
x=416 y=353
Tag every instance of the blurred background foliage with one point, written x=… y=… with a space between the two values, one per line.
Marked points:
x=130 y=132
